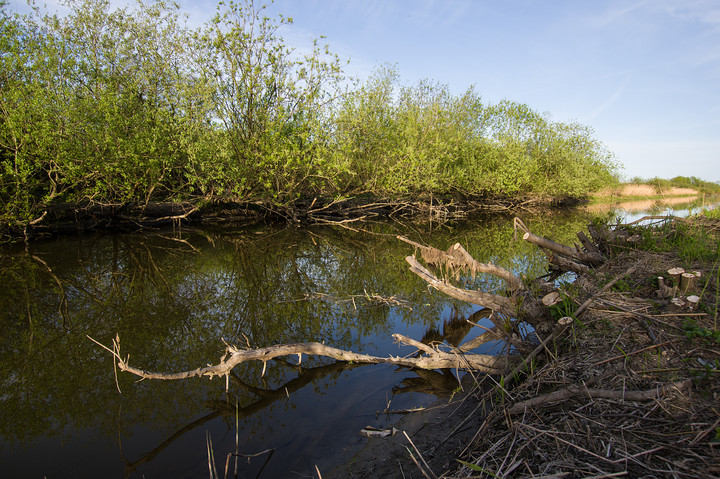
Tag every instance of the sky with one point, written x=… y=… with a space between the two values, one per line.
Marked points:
x=643 y=74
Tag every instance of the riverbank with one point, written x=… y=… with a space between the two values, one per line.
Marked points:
x=638 y=191
x=631 y=391
x=316 y=210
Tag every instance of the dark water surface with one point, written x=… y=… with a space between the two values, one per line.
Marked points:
x=173 y=296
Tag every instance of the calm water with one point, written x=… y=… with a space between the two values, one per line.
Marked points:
x=174 y=296
x=633 y=210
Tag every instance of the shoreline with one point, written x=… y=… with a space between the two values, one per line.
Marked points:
x=631 y=390
x=79 y=218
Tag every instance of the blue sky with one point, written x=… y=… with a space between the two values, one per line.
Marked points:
x=645 y=75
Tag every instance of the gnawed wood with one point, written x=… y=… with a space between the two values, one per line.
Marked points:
x=457 y=258
x=551 y=299
x=675 y=274
x=665 y=291
x=587 y=244
x=692 y=302
x=575 y=253
x=687 y=282
x=567 y=264
x=434 y=359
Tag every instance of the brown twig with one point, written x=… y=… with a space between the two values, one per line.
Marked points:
x=427 y=472
x=630 y=354
x=583 y=391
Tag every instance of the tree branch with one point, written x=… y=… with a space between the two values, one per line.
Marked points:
x=583 y=391
x=433 y=360
x=492 y=301
x=457 y=257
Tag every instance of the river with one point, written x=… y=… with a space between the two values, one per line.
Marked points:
x=174 y=297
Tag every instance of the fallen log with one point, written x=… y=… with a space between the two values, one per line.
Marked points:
x=566 y=264
x=433 y=359
x=574 y=253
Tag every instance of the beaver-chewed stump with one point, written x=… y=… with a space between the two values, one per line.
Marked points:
x=529 y=301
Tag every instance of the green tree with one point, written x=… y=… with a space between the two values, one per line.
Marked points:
x=127 y=105
x=269 y=102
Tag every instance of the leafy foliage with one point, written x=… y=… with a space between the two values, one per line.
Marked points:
x=661 y=185
x=116 y=105
x=694 y=331
x=423 y=139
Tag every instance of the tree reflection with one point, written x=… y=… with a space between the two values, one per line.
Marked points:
x=173 y=297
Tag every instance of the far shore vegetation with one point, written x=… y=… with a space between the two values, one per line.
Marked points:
x=114 y=106
x=106 y=110
x=656 y=188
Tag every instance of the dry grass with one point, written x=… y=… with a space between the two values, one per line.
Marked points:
x=635 y=206
x=675 y=191
x=635 y=190
x=628 y=341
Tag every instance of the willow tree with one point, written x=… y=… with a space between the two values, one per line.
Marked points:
x=532 y=154
x=93 y=106
x=269 y=101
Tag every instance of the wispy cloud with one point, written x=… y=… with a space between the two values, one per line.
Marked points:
x=703 y=11
x=610 y=101
x=617 y=12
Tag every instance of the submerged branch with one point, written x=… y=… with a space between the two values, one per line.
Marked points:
x=433 y=359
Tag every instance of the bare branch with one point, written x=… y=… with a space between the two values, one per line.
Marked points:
x=456 y=257
x=492 y=301
x=233 y=357
x=582 y=391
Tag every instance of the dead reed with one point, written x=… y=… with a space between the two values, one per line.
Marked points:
x=632 y=391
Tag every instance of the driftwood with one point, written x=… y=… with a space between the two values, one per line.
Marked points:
x=433 y=359
x=582 y=391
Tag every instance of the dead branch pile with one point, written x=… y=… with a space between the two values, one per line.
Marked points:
x=633 y=391
x=526 y=303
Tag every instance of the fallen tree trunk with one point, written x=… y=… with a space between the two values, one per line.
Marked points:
x=574 y=253
x=565 y=264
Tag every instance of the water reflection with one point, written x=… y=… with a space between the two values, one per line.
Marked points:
x=173 y=297
x=630 y=211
